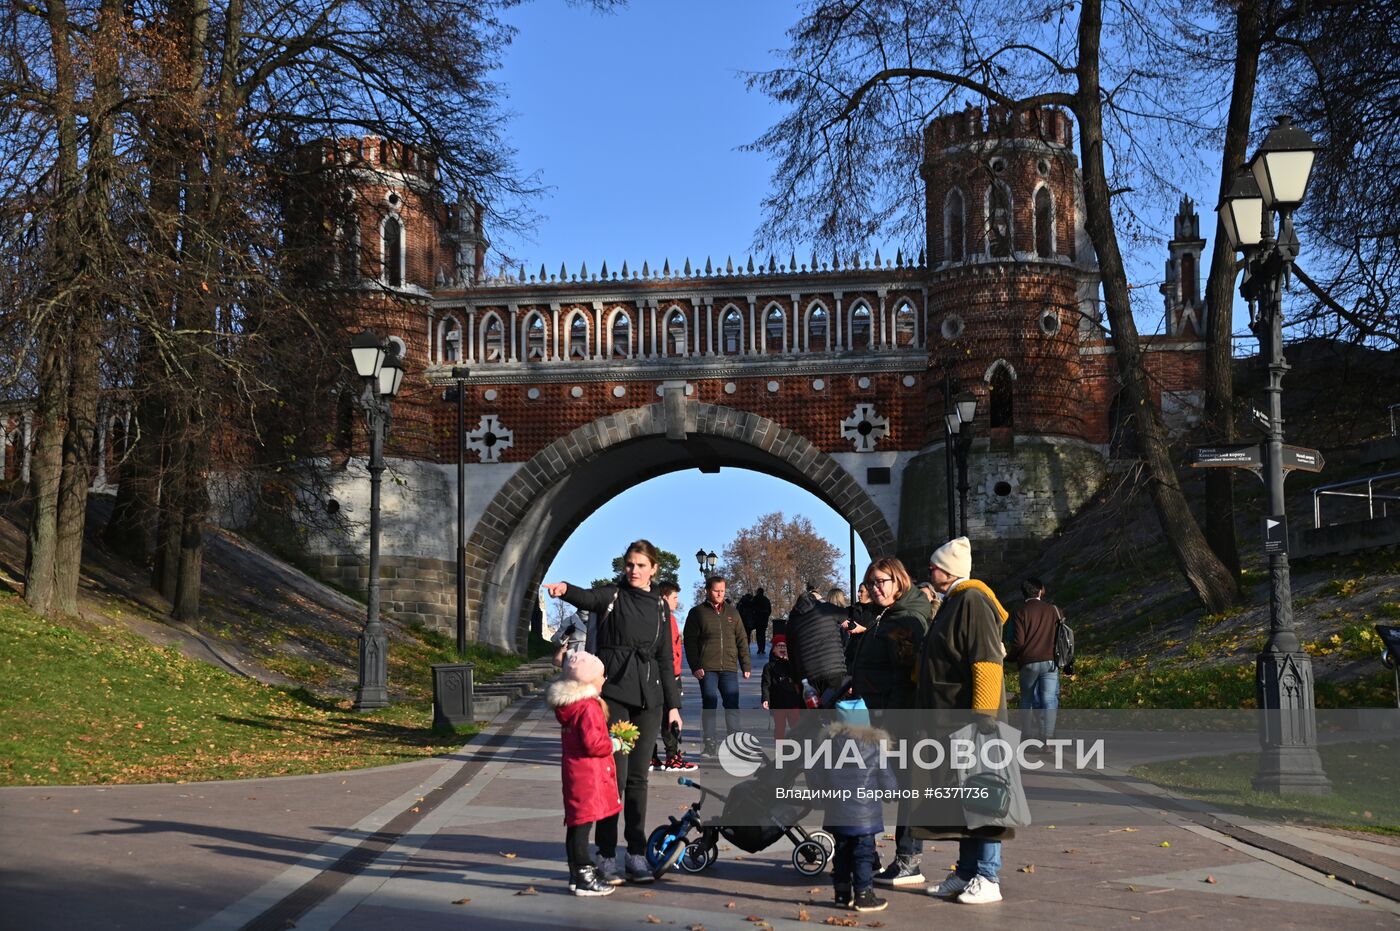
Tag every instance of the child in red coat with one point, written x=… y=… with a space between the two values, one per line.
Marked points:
x=588 y=773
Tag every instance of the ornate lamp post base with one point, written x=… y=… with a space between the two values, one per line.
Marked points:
x=373 y=691
x=1288 y=758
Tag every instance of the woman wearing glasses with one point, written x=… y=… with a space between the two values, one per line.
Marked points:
x=883 y=675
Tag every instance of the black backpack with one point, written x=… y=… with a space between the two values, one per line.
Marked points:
x=1064 y=644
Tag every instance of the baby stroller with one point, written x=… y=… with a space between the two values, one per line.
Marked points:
x=755 y=824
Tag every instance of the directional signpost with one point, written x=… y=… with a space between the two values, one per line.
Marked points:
x=1302 y=459
x=1247 y=456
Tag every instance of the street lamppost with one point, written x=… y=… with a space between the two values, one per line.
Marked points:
x=950 y=420
x=460 y=373
x=382 y=373
x=1275 y=181
x=706 y=561
x=959 y=422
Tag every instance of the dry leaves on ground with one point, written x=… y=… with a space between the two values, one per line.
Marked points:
x=461 y=901
x=528 y=890
x=1028 y=868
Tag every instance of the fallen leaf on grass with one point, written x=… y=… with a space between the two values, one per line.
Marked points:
x=528 y=890
x=1209 y=879
x=461 y=901
x=1028 y=868
x=508 y=856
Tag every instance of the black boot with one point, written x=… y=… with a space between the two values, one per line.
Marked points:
x=584 y=880
x=843 y=897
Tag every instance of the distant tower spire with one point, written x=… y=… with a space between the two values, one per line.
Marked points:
x=1181 y=287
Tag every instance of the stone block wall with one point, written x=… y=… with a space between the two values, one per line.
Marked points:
x=412 y=590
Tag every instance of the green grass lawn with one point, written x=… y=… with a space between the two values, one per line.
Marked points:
x=82 y=704
x=1365 y=783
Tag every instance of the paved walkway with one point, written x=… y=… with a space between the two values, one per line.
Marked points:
x=476 y=838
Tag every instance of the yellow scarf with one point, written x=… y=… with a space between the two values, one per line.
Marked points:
x=981 y=587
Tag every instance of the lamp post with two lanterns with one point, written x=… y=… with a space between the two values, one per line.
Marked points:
x=381 y=371
x=958 y=414
x=1275 y=181
x=706 y=561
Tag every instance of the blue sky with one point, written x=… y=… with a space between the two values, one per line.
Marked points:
x=634 y=120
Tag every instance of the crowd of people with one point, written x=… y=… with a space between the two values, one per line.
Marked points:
x=936 y=645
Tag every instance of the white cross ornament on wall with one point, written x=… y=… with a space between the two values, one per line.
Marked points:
x=490 y=439
x=865 y=428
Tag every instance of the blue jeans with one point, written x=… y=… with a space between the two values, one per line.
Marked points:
x=853 y=862
x=978 y=857
x=1040 y=692
x=714 y=687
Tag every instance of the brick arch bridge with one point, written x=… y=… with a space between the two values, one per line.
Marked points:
x=534 y=512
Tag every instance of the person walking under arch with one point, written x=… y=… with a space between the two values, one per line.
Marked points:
x=633 y=635
x=716 y=649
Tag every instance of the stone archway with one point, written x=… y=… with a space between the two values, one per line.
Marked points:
x=534 y=512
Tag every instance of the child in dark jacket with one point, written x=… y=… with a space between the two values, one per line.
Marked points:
x=853 y=821
x=588 y=777
x=782 y=690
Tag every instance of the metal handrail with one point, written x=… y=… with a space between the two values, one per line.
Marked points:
x=1369 y=494
x=1391 y=410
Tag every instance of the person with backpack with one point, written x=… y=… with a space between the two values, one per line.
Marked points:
x=1034 y=627
x=633 y=637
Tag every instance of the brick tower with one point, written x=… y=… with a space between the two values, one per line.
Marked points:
x=1011 y=287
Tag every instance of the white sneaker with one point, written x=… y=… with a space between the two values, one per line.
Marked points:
x=980 y=891
x=949 y=887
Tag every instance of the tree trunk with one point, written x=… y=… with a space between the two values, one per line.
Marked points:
x=80 y=435
x=131 y=530
x=1207 y=576
x=1220 y=291
x=45 y=471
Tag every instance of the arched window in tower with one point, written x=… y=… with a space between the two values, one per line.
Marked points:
x=954 y=227
x=393 y=252
x=578 y=337
x=732 y=332
x=1000 y=232
x=1044 y=223
x=534 y=337
x=775 y=330
x=349 y=244
x=451 y=341
x=675 y=333
x=818 y=330
x=860 y=327
x=1000 y=407
x=620 y=335
x=493 y=339
x=905 y=325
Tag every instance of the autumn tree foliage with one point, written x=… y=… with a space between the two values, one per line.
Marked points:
x=780 y=556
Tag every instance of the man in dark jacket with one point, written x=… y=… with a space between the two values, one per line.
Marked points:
x=814 y=645
x=960 y=668
x=716 y=649
x=760 y=609
x=1033 y=651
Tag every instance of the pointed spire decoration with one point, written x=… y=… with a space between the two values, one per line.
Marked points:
x=792 y=260
x=666 y=268
x=604 y=272
x=835 y=261
x=583 y=271
x=646 y=272
x=877 y=258
x=709 y=270
x=563 y=272
x=687 y=266
x=624 y=269
x=899 y=258
x=543 y=275
x=772 y=264
x=750 y=263
x=522 y=272
x=921 y=258
x=729 y=264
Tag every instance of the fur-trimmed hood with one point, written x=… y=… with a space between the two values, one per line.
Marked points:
x=861 y=733
x=563 y=692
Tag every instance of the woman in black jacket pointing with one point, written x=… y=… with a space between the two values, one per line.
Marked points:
x=634 y=643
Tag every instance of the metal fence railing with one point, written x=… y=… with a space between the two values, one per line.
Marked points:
x=1353 y=489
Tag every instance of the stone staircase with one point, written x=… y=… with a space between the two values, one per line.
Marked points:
x=491 y=698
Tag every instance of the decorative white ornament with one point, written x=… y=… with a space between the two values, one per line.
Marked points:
x=865 y=428
x=490 y=438
x=619 y=391
x=818 y=384
x=575 y=392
